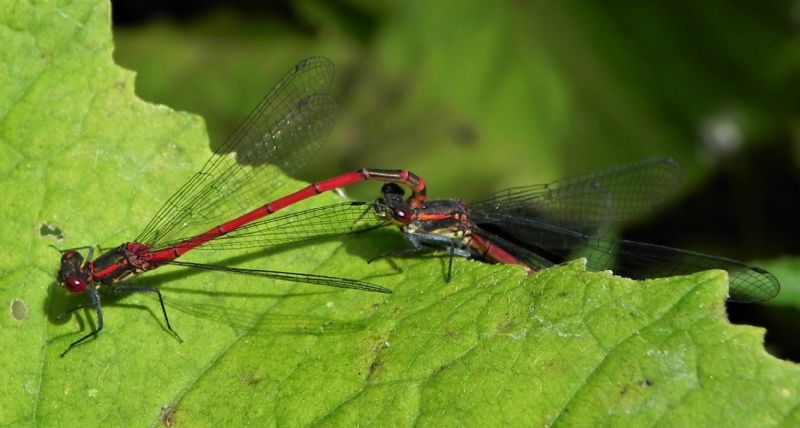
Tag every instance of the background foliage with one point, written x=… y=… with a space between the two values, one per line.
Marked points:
x=473 y=96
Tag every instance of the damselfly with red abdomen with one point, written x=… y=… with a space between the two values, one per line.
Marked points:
x=227 y=194
x=538 y=226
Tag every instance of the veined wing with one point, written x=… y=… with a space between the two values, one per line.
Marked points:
x=281 y=133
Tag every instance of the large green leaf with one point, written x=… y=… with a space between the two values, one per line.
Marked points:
x=85 y=162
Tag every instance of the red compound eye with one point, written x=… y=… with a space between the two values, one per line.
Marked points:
x=75 y=284
x=401 y=215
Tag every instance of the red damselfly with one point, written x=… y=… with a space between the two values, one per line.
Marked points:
x=538 y=226
x=281 y=133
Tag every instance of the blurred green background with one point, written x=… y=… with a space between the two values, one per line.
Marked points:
x=477 y=96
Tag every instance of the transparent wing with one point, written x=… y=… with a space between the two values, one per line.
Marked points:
x=321 y=222
x=639 y=260
x=591 y=202
x=534 y=241
x=281 y=133
x=307 y=278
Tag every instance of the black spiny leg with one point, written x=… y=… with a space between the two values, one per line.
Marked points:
x=121 y=290
x=96 y=303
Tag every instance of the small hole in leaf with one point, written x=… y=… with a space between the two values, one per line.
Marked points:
x=18 y=310
x=48 y=229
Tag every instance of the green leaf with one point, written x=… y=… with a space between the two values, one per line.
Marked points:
x=85 y=162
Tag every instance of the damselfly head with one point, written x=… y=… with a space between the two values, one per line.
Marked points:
x=400 y=216
x=392 y=206
x=71 y=275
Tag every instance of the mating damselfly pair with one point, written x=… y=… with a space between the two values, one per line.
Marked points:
x=222 y=207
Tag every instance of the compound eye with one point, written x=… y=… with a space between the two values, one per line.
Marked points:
x=401 y=215
x=75 y=284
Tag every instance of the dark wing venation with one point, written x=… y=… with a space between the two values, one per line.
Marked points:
x=631 y=259
x=638 y=260
x=315 y=223
x=279 y=134
x=306 y=278
x=592 y=202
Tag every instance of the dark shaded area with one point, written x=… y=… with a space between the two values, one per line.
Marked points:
x=360 y=23
x=781 y=324
x=744 y=210
x=132 y=12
